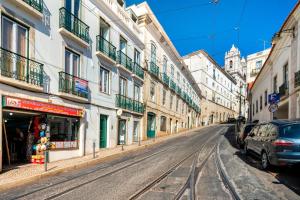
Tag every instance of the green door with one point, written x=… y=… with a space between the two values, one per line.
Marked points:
x=103 y=131
x=122 y=132
x=151 y=125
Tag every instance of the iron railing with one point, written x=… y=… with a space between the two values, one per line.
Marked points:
x=73 y=24
x=165 y=79
x=154 y=69
x=283 y=89
x=178 y=90
x=129 y=104
x=138 y=70
x=172 y=85
x=106 y=47
x=73 y=85
x=36 y=4
x=297 y=78
x=124 y=60
x=18 y=67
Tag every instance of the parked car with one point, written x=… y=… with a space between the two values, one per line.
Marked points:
x=277 y=143
x=231 y=120
x=245 y=130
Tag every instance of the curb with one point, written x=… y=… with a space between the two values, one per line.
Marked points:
x=224 y=175
x=33 y=178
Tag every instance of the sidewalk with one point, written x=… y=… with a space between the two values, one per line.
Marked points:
x=25 y=174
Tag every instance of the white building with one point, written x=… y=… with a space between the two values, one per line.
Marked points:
x=171 y=95
x=236 y=66
x=217 y=86
x=280 y=74
x=71 y=64
x=255 y=62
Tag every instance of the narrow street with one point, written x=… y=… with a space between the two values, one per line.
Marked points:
x=186 y=167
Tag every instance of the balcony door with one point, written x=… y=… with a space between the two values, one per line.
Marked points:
x=14 y=39
x=73 y=6
x=123 y=45
x=104 y=29
x=123 y=87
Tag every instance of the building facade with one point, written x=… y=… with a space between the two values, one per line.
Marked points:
x=279 y=74
x=171 y=97
x=218 y=88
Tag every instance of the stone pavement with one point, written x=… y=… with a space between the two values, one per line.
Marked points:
x=20 y=175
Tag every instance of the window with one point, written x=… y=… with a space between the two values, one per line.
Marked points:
x=14 y=38
x=164 y=97
x=121 y=3
x=258 y=64
x=104 y=29
x=177 y=104
x=275 y=84
x=285 y=74
x=152 y=91
x=266 y=97
x=230 y=64
x=153 y=53
x=137 y=57
x=123 y=86
x=123 y=45
x=256 y=106
x=137 y=92
x=206 y=80
x=104 y=80
x=171 y=101
x=165 y=64
x=178 y=77
x=63 y=131
x=73 y=6
x=260 y=102
x=172 y=71
x=163 y=123
x=253 y=109
x=72 y=63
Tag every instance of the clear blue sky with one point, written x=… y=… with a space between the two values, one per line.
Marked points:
x=196 y=24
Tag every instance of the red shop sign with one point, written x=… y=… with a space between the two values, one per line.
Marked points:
x=14 y=102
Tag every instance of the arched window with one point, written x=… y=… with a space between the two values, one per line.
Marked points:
x=230 y=64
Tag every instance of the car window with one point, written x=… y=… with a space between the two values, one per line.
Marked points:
x=254 y=130
x=273 y=131
x=263 y=130
x=290 y=131
x=248 y=128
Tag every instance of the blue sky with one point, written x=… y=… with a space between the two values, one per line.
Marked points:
x=198 y=24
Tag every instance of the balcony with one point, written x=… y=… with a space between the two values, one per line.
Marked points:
x=106 y=49
x=129 y=104
x=178 y=90
x=32 y=7
x=254 y=72
x=125 y=61
x=297 y=79
x=138 y=71
x=73 y=27
x=283 y=90
x=73 y=87
x=172 y=85
x=165 y=78
x=154 y=69
x=20 y=71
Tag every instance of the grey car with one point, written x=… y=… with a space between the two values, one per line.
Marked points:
x=276 y=142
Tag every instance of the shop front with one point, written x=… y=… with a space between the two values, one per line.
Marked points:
x=26 y=122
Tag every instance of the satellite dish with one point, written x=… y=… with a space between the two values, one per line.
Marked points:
x=119 y=112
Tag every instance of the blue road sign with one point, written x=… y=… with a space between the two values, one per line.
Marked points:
x=274 y=98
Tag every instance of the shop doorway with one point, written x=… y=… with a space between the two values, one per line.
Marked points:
x=151 y=125
x=136 y=131
x=122 y=132
x=18 y=137
x=103 y=131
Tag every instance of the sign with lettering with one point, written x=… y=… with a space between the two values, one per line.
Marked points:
x=14 y=102
x=274 y=98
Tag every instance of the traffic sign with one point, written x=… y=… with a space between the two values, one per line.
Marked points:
x=273 y=108
x=274 y=98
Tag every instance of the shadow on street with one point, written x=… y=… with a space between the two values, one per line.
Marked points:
x=288 y=176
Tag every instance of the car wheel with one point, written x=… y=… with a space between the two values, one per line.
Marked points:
x=264 y=161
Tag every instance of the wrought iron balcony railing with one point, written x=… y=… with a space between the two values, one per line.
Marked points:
x=297 y=79
x=138 y=70
x=172 y=85
x=36 y=4
x=106 y=47
x=70 y=84
x=154 y=69
x=165 y=78
x=283 y=90
x=129 y=104
x=73 y=24
x=20 y=68
x=178 y=90
x=125 y=61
